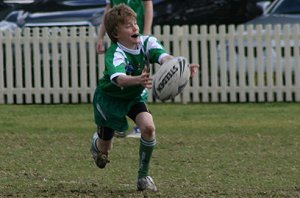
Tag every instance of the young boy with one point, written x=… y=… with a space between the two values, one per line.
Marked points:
x=122 y=91
x=144 y=12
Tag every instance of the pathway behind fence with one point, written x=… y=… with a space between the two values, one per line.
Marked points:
x=238 y=64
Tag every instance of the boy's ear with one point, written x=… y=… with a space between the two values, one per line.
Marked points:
x=116 y=35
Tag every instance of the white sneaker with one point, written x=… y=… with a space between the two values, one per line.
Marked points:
x=136 y=133
x=146 y=183
x=120 y=134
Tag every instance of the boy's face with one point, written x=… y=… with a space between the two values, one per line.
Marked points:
x=128 y=33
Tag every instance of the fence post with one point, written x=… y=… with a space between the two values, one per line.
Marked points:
x=1 y=69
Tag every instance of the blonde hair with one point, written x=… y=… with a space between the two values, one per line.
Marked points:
x=115 y=16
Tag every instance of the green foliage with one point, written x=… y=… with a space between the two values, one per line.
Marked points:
x=203 y=150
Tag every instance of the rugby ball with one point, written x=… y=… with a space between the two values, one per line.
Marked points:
x=171 y=78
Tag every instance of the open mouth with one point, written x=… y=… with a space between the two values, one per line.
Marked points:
x=135 y=35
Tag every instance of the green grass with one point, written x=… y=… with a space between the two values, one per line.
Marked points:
x=203 y=150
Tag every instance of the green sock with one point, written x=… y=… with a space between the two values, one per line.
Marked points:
x=146 y=148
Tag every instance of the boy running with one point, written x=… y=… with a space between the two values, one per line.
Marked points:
x=122 y=91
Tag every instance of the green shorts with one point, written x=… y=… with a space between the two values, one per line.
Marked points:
x=111 y=111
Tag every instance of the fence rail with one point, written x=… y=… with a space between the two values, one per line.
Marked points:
x=238 y=64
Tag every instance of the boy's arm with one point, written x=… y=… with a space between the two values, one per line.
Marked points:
x=144 y=79
x=100 y=45
x=165 y=58
x=148 y=16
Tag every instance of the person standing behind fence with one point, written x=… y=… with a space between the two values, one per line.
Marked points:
x=144 y=11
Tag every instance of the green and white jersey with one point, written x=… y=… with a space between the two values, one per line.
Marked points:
x=120 y=60
x=137 y=6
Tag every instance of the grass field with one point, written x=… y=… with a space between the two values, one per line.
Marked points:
x=203 y=150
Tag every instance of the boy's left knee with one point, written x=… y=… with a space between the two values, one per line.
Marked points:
x=148 y=131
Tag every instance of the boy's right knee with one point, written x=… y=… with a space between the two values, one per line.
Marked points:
x=105 y=133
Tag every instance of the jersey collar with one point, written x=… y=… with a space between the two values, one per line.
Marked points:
x=131 y=51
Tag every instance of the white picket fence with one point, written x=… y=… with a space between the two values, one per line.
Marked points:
x=238 y=64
